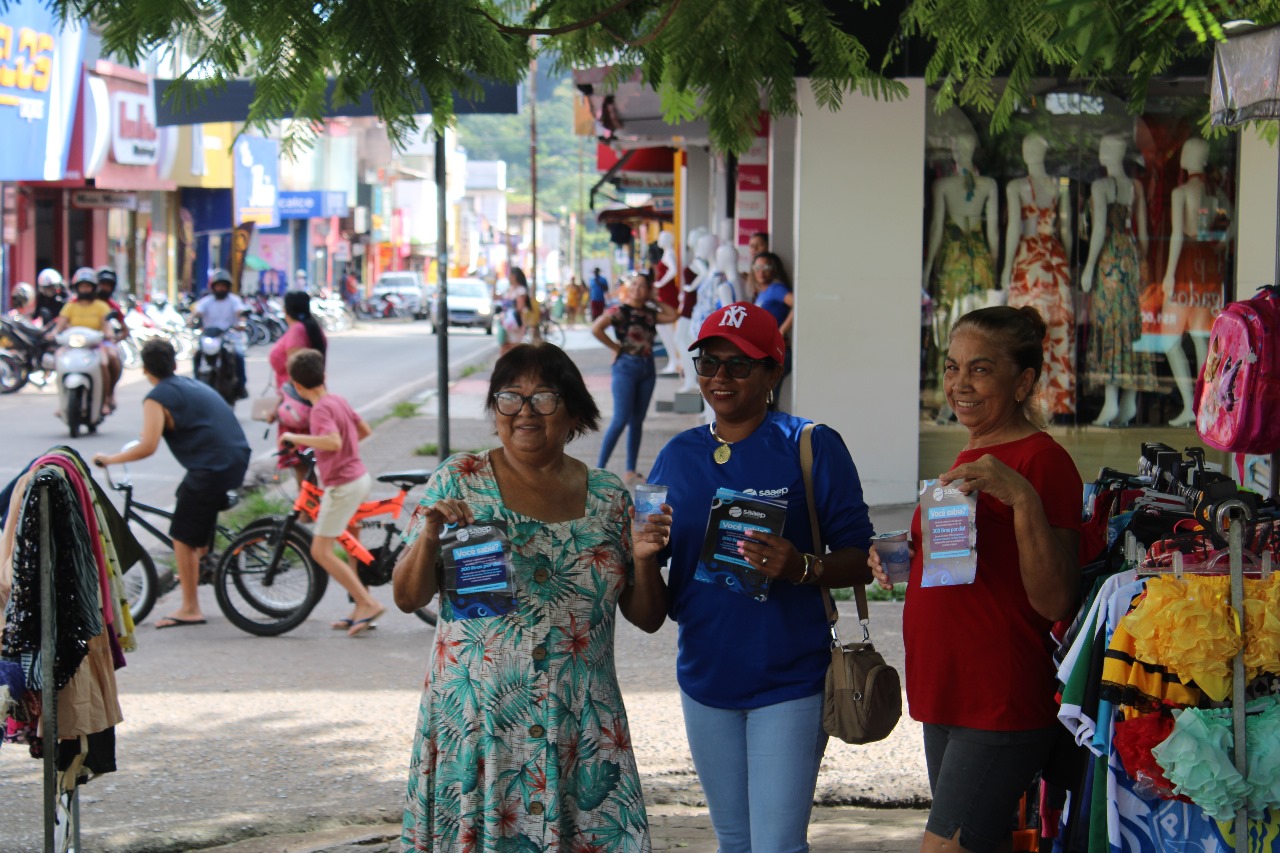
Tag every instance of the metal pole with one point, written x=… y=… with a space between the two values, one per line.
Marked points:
x=442 y=301
x=1235 y=548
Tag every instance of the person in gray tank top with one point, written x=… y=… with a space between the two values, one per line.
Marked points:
x=204 y=436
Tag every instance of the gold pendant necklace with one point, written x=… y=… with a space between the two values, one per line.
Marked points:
x=724 y=451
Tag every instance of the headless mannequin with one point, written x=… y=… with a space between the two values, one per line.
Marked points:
x=965 y=206
x=1119 y=406
x=697 y=267
x=1184 y=205
x=664 y=288
x=1041 y=186
x=724 y=290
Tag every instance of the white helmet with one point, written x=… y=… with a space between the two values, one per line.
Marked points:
x=23 y=295
x=49 y=278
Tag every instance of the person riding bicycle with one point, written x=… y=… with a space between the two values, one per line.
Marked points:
x=204 y=436
x=222 y=309
x=88 y=312
x=336 y=431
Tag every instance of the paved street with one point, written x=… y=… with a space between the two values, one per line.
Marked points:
x=230 y=737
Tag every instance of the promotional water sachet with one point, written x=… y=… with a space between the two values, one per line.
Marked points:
x=948 y=520
x=477 y=569
x=732 y=515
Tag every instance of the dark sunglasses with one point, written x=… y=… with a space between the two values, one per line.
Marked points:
x=510 y=403
x=737 y=368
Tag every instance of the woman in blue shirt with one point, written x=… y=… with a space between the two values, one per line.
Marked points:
x=751 y=672
x=772 y=289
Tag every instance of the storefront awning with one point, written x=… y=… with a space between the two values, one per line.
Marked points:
x=231 y=103
x=625 y=215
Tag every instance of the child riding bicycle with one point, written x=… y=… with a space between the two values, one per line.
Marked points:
x=336 y=431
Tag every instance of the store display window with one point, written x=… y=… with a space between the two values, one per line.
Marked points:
x=1118 y=228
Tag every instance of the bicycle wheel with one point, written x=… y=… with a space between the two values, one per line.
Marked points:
x=426 y=614
x=141 y=586
x=268 y=608
x=13 y=374
x=553 y=332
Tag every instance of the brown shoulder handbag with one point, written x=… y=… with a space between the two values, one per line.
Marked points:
x=862 y=700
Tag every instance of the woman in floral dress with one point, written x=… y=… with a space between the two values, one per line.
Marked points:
x=522 y=740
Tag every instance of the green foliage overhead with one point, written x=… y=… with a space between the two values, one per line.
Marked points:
x=719 y=59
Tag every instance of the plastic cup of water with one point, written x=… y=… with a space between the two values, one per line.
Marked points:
x=648 y=498
x=895 y=557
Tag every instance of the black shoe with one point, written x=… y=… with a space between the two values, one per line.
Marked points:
x=242 y=393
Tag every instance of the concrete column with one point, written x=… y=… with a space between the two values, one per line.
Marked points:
x=1255 y=214
x=784 y=131
x=697 y=188
x=858 y=198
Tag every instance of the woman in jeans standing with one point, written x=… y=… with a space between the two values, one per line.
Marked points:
x=634 y=321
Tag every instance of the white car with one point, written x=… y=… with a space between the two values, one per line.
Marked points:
x=408 y=286
x=470 y=304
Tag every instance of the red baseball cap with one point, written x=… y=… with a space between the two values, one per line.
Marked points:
x=749 y=327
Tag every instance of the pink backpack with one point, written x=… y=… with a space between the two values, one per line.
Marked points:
x=1238 y=393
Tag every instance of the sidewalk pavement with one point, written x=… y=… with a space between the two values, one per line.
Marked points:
x=405 y=443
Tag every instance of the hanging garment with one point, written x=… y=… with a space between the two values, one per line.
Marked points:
x=1197 y=288
x=1041 y=278
x=1114 y=309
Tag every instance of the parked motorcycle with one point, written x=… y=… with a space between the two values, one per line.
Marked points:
x=80 y=386
x=28 y=355
x=217 y=367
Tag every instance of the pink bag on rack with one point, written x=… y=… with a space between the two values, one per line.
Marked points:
x=1237 y=398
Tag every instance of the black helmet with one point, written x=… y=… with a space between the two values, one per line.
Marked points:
x=83 y=275
x=106 y=274
x=219 y=275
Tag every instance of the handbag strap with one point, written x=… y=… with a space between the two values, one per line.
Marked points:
x=859 y=592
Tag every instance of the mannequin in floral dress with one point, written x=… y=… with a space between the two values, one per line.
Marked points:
x=1117 y=245
x=964 y=242
x=1036 y=272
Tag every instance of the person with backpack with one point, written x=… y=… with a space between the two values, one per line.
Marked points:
x=635 y=327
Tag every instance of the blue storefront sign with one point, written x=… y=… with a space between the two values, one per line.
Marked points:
x=312 y=204
x=40 y=68
x=255 y=181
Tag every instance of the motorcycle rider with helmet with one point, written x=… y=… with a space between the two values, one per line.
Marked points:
x=50 y=300
x=22 y=300
x=90 y=312
x=106 y=293
x=222 y=309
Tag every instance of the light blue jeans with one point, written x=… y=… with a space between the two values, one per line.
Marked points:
x=758 y=768
x=633 y=380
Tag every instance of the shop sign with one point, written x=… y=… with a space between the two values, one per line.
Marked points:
x=134 y=138
x=752 y=213
x=101 y=199
x=39 y=84
x=256 y=167
x=312 y=204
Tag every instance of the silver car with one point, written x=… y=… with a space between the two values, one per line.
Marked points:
x=409 y=287
x=470 y=304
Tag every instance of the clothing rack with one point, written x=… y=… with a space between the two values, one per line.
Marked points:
x=49 y=697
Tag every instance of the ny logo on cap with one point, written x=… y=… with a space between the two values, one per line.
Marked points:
x=733 y=316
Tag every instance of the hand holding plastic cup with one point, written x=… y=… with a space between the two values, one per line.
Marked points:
x=895 y=556
x=648 y=498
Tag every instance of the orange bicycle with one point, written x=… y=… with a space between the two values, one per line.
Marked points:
x=267 y=581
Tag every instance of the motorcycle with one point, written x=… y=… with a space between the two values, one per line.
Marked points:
x=80 y=381
x=217 y=366
x=28 y=355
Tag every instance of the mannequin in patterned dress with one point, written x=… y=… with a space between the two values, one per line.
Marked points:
x=1117 y=246
x=1036 y=271
x=1194 y=276
x=666 y=288
x=964 y=242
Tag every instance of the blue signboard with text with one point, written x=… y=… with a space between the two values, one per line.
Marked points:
x=312 y=204
x=40 y=68
x=255 y=181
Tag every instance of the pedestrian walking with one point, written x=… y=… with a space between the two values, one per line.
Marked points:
x=634 y=322
x=599 y=293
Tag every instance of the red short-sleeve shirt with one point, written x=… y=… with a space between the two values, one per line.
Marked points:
x=978 y=655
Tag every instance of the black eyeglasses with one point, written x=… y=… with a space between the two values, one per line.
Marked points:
x=738 y=368
x=510 y=403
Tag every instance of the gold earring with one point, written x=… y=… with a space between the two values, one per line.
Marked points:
x=769 y=400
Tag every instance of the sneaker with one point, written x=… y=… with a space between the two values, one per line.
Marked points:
x=631 y=478
x=242 y=393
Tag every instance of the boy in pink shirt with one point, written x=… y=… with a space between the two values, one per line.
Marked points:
x=336 y=431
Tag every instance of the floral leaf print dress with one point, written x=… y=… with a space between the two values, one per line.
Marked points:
x=522 y=741
x=1114 y=306
x=1042 y=278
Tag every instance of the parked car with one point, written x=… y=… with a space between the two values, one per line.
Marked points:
x=470 y=304
x=414 y=295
